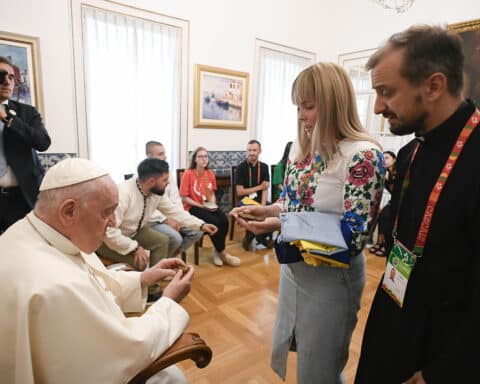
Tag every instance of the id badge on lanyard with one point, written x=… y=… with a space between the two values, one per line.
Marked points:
x=399 y=267
x=401 y=260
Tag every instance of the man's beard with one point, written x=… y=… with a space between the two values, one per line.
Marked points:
x=158 y=191
x=416 y=126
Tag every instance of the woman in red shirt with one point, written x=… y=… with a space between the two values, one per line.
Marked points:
x=197 y=190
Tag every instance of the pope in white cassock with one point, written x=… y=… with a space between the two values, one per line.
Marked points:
x=62 y=317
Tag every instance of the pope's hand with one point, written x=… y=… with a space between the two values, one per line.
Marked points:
x=180 y=285
x=164 y=268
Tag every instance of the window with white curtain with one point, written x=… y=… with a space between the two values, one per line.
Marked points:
x=132 y=77
x=275 y=115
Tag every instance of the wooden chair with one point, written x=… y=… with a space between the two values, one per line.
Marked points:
x=234 y=196
x=187 y=346
x=199 y=242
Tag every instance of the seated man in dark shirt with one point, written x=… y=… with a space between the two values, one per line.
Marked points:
x=253 y=180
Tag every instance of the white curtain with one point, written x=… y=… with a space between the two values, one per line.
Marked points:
x=276 y=116
x=132 y=81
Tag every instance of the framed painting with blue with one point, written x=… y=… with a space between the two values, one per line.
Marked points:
x=221 y=98
x=469 y=31
x=23 y=52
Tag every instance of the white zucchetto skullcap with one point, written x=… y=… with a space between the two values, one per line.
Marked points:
x=70 y=172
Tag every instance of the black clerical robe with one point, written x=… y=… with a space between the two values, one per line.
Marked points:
x=437 y=330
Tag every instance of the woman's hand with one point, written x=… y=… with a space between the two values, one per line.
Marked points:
x=269 y=224
x=250 y=212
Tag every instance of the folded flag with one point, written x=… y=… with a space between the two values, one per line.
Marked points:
x=317 y=254
x=317 y=235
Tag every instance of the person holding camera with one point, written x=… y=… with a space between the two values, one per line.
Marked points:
x=22 y=133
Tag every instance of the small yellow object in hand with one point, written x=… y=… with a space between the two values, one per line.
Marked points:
x=249 y=201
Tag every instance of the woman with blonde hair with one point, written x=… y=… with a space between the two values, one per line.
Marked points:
x=335 y=166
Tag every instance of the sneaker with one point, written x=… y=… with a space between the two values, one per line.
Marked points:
x=266 y=240
x=233 y=261
x=216 y=259
x=259 y=246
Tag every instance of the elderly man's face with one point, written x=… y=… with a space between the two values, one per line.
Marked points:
x=398 y=100
x=96 y=214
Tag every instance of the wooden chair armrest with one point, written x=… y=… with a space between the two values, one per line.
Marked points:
x=110 y=264
x=187 y=346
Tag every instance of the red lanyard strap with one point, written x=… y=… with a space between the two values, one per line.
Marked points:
x=424 y=229
x=250 y=175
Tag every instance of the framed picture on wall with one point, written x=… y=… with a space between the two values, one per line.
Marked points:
x=469 y=31
x=23 y=52
x=376 y=125
x=221 y=98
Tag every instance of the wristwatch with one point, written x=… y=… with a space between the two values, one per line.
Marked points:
x=201 y=226
x=7 y=120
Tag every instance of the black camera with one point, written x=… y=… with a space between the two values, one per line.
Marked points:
x=3 y=76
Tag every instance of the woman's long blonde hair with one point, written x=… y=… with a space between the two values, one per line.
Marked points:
x=330 y=88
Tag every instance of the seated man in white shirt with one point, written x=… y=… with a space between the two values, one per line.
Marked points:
x=131 y=238
x=180 y=237
x=63 y=319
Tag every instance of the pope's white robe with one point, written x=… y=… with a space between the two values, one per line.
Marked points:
x=62 y=315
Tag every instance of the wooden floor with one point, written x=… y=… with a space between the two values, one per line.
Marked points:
x=233 y=310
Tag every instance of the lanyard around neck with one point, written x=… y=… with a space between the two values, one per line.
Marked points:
x=250 y=184
x=143 y=209
x=438 y=187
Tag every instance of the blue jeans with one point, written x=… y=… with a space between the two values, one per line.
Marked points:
x=183 y=239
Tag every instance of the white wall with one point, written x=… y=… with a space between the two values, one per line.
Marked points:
x=361 y=24
x=222 y=34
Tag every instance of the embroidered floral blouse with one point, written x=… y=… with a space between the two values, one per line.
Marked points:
x=350 y=184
